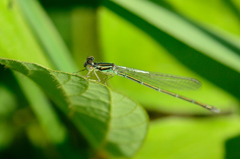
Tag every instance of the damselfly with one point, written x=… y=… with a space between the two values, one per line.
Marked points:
x=154 y=80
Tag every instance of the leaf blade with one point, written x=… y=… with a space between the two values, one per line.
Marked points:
x=89 y=105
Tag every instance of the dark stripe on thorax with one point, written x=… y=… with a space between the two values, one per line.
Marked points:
x=104 y=66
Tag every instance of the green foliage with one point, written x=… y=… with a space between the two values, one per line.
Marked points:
x=48 y=36
x=104 y=117
x=192 y=139
x=47 y=111
x=132 y=48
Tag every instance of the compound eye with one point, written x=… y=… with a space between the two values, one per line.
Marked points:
x=90 y=58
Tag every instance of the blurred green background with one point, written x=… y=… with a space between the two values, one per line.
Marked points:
x=196 y=38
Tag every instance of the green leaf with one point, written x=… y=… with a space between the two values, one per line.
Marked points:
x=197 y=138
x=17 y=42
x=189 y=44
x=138 y=50
x=213 y=14
x=16 y=39
x=56 y=50
x=128 y=126
x=106 y=118
x=43 y=110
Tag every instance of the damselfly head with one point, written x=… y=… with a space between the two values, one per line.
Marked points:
x=90 y=58
x=89 y=61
